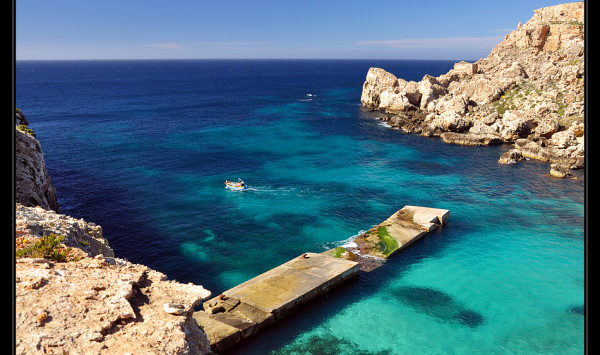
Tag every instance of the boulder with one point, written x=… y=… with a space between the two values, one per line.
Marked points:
x=377 y=81
x=464 y=69
x=560 y=170
x=510 y=77
x=393 y=103
x=481 y=89
x=490 y=118
x=546 y=127
x=512 y=156
x=411 y=91
x=453 y=122
x=431 y=89
x=514 y=125
x=578 y=128
x=478 y=127
x=564 y=139
x=460 y=71
x=458 y=104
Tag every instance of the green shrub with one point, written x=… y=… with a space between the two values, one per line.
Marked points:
x=26 y=129
x=47 y=247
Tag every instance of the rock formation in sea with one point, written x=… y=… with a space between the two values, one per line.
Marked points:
x=72 y=295
x=529 y=91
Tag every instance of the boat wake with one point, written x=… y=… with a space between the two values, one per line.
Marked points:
x=308 y=97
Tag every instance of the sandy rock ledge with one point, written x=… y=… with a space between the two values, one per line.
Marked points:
x=102 y=305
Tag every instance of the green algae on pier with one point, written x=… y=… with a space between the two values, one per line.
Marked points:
x=398 y=231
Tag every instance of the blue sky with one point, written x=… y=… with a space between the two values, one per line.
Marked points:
x=168 y=29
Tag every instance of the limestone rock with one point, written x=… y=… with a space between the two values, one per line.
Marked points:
x=391 y=103
x=378 y=81
x=546 y=127
x=458 y=104
x=431 y=89
x=35 y=222
x=578 y=128
x=515 y=125
x=411 y=91
x=460 y=71
x=481 y=89
x=560 y=170
x=531 y=85
x=450 y=121
x=544 y=150
x=512 y=156
x=95 y=306
x=33 y=186
x=470 y=139
x=406 y=123
x=564 y=139
x=464 y=69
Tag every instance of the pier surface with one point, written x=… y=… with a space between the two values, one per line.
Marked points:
x=256 y=303
x=389 y=237
x=245 y=309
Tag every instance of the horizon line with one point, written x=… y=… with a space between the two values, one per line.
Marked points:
x=232 y=58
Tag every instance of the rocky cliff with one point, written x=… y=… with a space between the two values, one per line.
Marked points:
x=72 y=296
x=33 y=186
x=529 y=91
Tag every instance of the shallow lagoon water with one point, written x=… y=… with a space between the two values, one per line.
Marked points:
x=143 y=147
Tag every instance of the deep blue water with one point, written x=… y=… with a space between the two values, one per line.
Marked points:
x=142 y=148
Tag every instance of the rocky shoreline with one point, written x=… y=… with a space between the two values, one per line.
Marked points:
x=529 y=92
x=72 y=295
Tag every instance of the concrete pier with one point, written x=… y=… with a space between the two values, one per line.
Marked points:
x=244 y=310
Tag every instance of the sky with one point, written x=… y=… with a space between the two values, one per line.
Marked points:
x=194 y=29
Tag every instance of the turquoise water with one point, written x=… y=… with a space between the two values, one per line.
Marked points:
x=143 y=148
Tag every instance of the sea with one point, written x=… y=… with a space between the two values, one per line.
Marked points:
x=143 y=148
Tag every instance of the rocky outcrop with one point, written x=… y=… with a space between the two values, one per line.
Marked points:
x=531 y=86
x=103 y=305
x=87 y=301
x=32 y=223
x=33 y=186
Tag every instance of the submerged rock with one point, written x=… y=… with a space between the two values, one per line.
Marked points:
x=437 y=304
